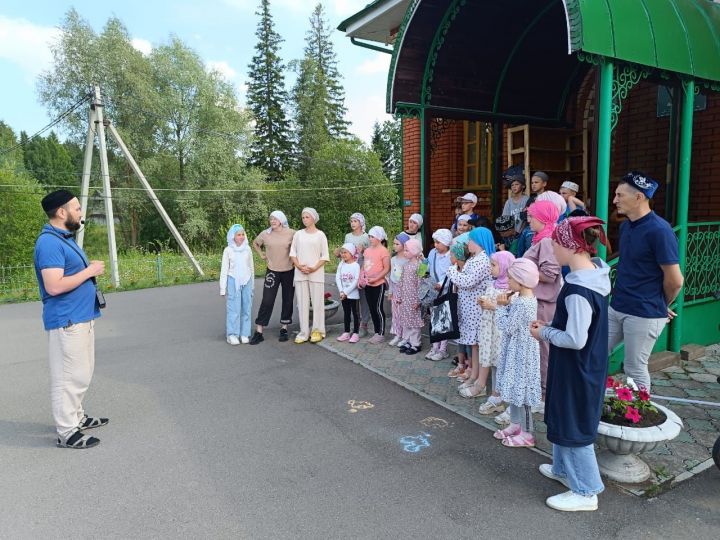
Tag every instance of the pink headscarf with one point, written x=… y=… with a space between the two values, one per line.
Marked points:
x=555 y=198
x=569 y=233
x=413 y=249
x=504 y=260
x=547 y=214
x=524 y=272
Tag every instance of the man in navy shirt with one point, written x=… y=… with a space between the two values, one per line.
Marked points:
x=70 y=307
x=648 y=276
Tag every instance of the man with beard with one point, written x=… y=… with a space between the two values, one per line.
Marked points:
x=70 y=307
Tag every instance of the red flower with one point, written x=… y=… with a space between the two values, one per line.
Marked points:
x=644 y=395
x=624 y=394
x=610 y=383
x=633 y=415
x=327 y=295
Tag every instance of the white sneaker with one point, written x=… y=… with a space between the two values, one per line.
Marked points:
x=503 y=419
x=233 y=340
x=401 y=343
x=539 y=408
x=244 y=340
x=394 y=341
x=430 y=355
x=546 y=470
x=440 y=355
x=572 y=502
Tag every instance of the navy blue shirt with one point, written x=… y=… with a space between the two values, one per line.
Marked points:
x=645 y=244
x=76 y=306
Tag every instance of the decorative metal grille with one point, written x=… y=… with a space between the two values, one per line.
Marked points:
x=702 y=272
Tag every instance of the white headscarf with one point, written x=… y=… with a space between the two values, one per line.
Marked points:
x=417 y=218
x=360 y=218
x=312 y=212
x=444 y=236
x=555 y=198
x=281 y=217
x=242 y=271
x=378 y=232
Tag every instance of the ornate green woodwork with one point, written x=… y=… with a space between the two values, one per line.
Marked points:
x=396 y=50
x=702 y=272
x=443 y=28
x=407 y=110
x=626 y=78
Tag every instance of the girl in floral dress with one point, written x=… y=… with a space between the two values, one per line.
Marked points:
x=471 y=283
x=519 y=363
x=490 y=336
x=396 y=265
x=407 y=299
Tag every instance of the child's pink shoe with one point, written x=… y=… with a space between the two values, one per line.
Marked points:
x=344 y=337
x=510 y=431
x=354 y=338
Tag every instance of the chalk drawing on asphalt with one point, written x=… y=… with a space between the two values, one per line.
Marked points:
x=434 y=422
x=415 y=443
x=356 y=405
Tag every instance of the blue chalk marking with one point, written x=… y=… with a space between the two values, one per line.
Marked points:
x=414 y=444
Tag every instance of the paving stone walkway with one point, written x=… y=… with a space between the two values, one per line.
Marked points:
x=688 y=454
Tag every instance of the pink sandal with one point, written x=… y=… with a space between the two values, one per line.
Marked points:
x=521 y=440
x=510 y=431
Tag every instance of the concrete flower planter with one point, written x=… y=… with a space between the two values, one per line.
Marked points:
x=330 y=309
x=617 y=458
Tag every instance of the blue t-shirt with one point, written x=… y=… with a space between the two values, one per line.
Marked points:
x=76 y=306
x=645 y=244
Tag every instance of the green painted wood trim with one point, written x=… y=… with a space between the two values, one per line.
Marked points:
x=683 y=199
x=399 y=40
x=370 y=46
x=603 y=145
x=438 y=40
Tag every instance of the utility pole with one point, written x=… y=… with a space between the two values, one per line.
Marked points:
x=96 y=126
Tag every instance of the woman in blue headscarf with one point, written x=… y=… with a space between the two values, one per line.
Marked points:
x=236 y=281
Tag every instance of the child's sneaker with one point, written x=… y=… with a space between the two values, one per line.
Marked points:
x=402 y=343
x=430 y=354
x=394 y=341
x=233 y=340
x=244 y=340
x=345 y=336
x=503 y=419
x=354 y=338
x=376 y=339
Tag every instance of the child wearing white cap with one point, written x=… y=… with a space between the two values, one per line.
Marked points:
x=569 y=190
x=467 y=208
x=346 y=279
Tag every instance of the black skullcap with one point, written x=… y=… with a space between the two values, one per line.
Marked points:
x=56 y=199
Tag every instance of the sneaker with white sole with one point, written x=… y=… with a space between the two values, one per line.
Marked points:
x=394 y=341
x=572 y=502
x=244 y=340
x=546 y=470
x=430 y=354
x=233 y=340
x=402 y=343
x=503 y=419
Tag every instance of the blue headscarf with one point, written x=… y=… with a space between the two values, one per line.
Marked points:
x=483 y=238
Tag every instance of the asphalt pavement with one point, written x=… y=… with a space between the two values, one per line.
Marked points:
x=278 y=440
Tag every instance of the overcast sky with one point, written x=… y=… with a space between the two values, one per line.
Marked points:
x=221 y=31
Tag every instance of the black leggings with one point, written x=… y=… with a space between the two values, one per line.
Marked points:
x=351 y=306
x=272 y=283
x=375 y=300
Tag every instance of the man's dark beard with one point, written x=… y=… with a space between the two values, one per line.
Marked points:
x=72 y=225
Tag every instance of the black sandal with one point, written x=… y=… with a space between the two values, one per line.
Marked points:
x=79 y=441
x=89 y=422
x=412 y=350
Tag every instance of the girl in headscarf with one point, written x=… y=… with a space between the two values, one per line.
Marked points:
x=543 y=216
x=489 y=335
x=458 y=257
x=359 y=237
x=577 y=372
x=471 y=283
x=236 y=281
x=415 y=223
x=375 y=269
x=273 y=246
x=309 y=253
x=518 y=370
x=407 y=299
x=438 y=264
x=397 y=262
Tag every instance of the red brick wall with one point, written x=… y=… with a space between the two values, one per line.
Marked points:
x=411 y=166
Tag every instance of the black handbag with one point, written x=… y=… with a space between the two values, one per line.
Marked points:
x=444 y=315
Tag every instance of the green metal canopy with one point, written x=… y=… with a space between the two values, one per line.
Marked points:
x=674 y=35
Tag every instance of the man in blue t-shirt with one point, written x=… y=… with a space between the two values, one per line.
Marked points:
x=648 y=276
x=70 y=307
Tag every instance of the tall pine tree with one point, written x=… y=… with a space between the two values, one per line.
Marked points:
x=266 y=98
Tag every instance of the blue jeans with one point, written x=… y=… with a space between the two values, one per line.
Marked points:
x=578 y=465
x=239 y=308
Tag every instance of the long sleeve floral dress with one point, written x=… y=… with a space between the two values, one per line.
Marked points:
x=471 y=282
x=489 y=335
x=518 y=368
x=407 y=291
x=393 y=278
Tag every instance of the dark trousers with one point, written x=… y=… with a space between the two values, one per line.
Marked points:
x=272 y=283
x=375 y=299
x=351 y=307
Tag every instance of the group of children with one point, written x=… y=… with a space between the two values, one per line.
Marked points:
x=509 y=329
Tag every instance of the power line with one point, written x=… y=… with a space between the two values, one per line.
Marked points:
x=52 y=124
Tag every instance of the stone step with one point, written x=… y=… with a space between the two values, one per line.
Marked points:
x=692 y=351
x=662 y=360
